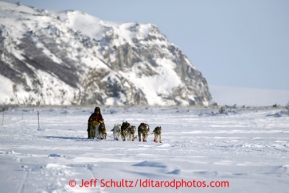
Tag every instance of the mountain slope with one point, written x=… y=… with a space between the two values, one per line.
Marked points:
x=69 y=57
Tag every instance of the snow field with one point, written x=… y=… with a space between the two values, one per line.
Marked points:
x=247 y=148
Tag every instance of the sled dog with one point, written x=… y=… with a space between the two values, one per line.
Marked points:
x=157 y=134
x=143 y=132
x=131 y=133
x=116 y=131
x=124 y=130
x=101 y=131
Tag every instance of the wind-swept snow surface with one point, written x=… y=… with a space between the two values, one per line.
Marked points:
x=241 y=151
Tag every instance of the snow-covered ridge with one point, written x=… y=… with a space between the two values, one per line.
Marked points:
x=70 y=57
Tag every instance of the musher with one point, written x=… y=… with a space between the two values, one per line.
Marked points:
x=93 y=123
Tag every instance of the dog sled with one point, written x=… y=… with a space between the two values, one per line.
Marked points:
x=97 y=130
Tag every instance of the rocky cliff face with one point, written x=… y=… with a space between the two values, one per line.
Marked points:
x=70 y=57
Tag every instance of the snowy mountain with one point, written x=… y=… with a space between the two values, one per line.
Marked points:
x=70 y=57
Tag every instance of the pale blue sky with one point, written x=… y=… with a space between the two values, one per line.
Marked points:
x=240 y=43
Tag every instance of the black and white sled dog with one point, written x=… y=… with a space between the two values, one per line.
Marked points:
x=143 y=132
x=157 y=134
x=116 y=131
x=127 y=131
x=124 y=129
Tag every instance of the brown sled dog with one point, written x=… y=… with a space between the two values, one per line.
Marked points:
x=101 y=131
x=130 y=133
x=143 y=132
x=157 y=134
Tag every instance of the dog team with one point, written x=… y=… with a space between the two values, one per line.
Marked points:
x=96 y=128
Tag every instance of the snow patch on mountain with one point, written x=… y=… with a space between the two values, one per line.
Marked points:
x=70 y=57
